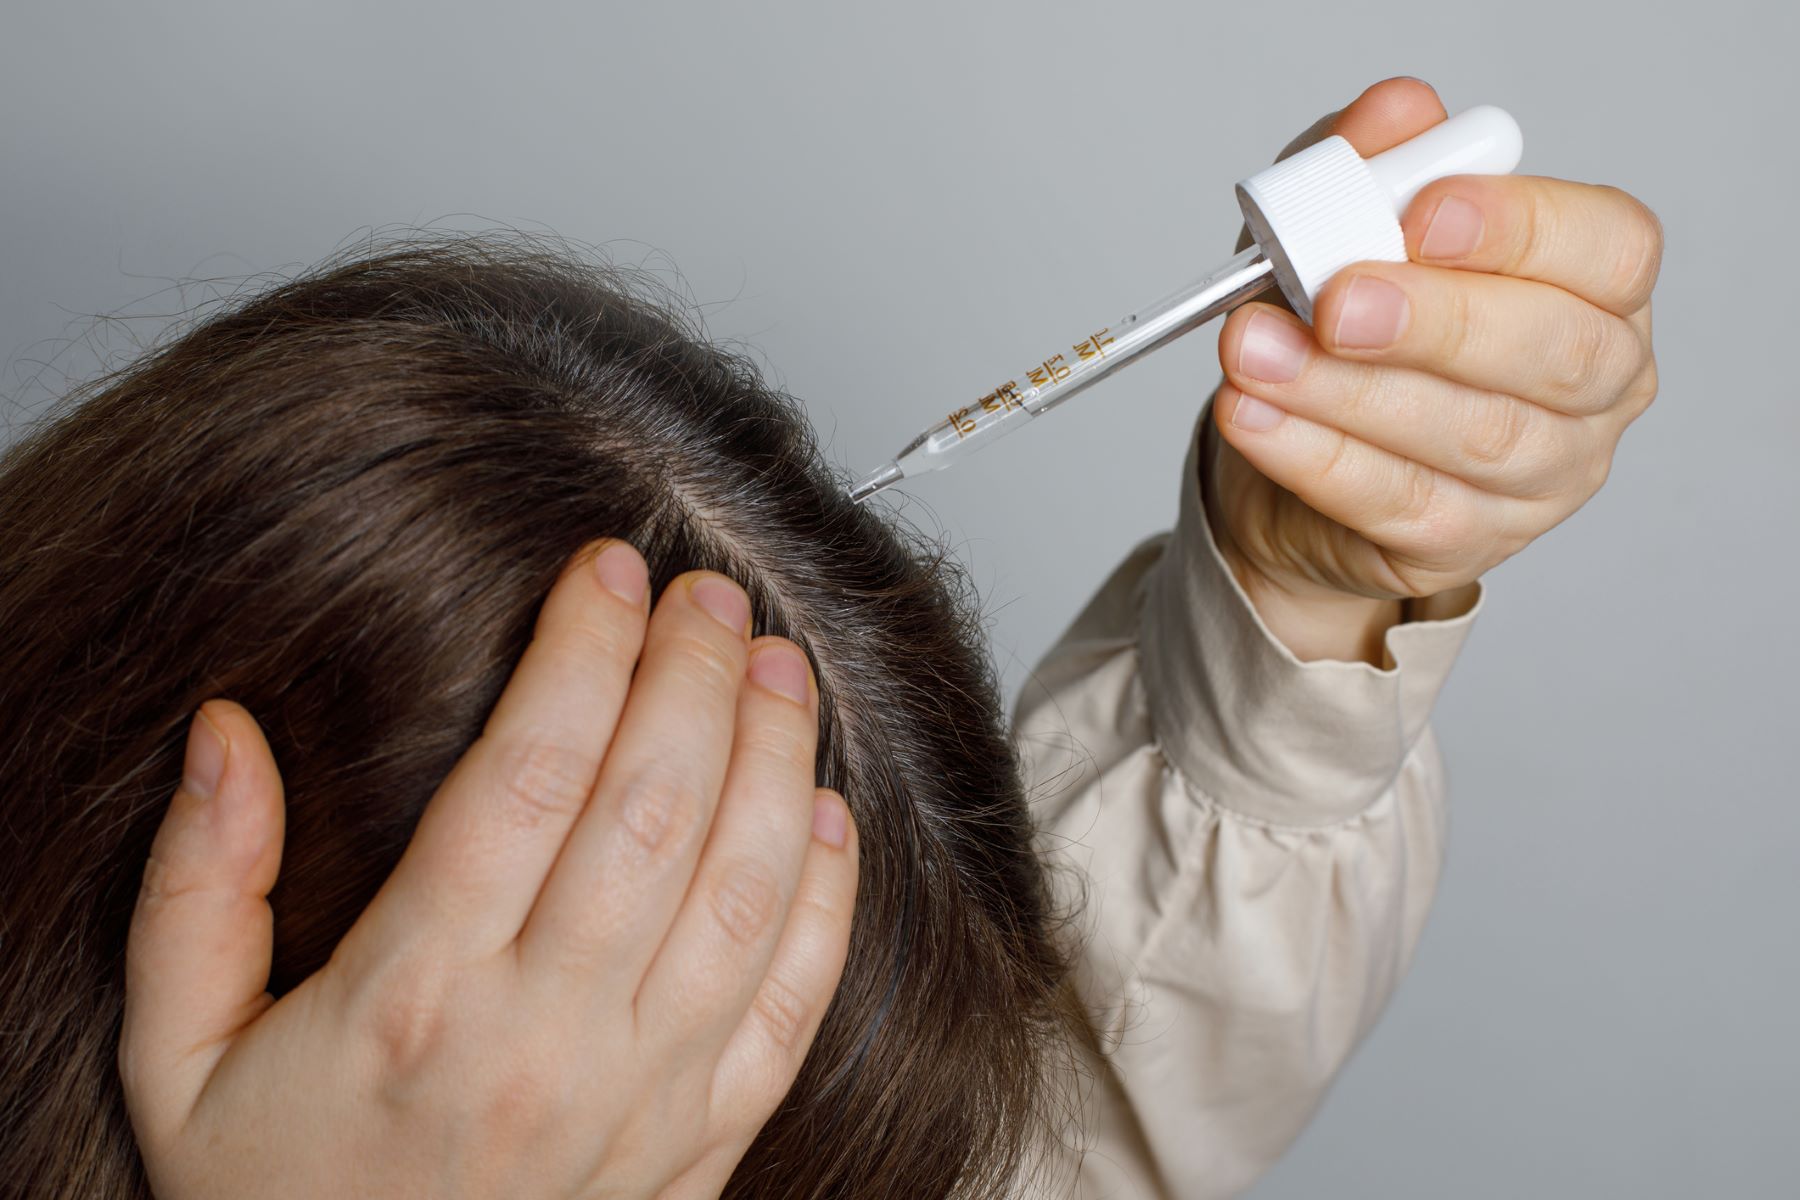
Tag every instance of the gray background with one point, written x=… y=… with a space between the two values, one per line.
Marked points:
x=895 y=208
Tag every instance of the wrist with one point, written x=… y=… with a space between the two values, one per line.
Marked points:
x=1316 y=622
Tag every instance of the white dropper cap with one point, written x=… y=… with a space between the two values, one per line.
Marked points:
x=1326 y=207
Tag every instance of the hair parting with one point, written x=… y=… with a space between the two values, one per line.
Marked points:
x=339 y=502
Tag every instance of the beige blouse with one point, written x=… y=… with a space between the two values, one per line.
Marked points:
x=1258 y=841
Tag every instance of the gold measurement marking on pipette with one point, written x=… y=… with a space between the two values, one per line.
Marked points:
x=1044 y=376
x=1048 y=373
x=1093 y=346
x=1003 y=398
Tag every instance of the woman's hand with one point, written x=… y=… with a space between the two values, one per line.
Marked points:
x=594 y=972
x=1441 y=413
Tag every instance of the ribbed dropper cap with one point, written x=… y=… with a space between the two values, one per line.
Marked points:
x=1326 y=207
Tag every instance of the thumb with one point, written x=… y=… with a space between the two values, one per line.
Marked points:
x=197 y=959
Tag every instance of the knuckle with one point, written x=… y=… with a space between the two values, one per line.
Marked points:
x=1566 y=453
x=523 y=1098
x=783 y=1013
x=1427 y=524
x=1442 y=537
x=1598 y=470
x=165 y=882
x=542 y=782
x=1644 y=394
x=1415 y=496
x=1587 y=345
x=697 y=662
x=660 y=812
x=1531 y=223
x=160 y=883
x=1456 y=329
x=1361 y=403
x=1337 y=463
x=599 y=639
x=1495 y=433
x=743 y=901
x=1454 y=533
x=407 y=1022
x=780 y=739
x=823 y=909
x=763 y=1080
x=1638 y=260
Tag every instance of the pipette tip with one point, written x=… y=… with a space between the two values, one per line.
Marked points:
x=882 y=477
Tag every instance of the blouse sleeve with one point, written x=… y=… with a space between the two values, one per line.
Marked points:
x=1251 y=844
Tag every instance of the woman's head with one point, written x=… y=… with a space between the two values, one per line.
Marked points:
x=339 y=504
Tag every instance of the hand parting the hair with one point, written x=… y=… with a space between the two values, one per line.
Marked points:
x=595 y=971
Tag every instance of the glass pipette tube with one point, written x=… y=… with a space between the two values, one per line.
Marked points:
x=1060 y=376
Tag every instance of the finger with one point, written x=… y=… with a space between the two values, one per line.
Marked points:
x=487 y=840
x=1491 y=440
x=707 y=970
x=1597 y=242
x=765 y=1052
x=614 y=890
x=1428 y=525
x=1507 y=335
x=197 y=956
x=1388 y=113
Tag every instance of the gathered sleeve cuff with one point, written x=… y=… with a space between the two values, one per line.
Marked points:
x=1260 y=732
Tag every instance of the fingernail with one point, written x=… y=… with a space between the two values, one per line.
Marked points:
x=1255 y=415
x=1453 y=231
x=780 y=669
x=204 y=764
x=725 y=600
x=1272 y=350
x=830 y=821
x=1373 y=313
x=622 y=573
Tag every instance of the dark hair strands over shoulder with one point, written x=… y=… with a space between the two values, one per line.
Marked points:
x=340 y=503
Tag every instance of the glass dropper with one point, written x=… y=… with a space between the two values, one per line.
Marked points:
x=1042 y=387
x=1311 y=215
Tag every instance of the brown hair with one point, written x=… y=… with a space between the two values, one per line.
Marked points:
x=340 y=503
